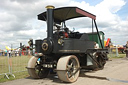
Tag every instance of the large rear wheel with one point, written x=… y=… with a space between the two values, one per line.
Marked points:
x=68 y=68
x=35 y=70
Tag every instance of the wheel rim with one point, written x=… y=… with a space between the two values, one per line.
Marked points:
x=71 y=67
x=68 y=68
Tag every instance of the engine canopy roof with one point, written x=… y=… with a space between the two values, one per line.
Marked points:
x=65 y=13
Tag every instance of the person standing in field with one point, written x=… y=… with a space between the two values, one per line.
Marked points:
x=126 y=49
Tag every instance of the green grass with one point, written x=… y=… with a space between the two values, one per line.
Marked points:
x=115 y=56
x=18 y=75
x=19 y=64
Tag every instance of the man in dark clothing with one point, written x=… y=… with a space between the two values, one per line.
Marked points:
x=126 y=49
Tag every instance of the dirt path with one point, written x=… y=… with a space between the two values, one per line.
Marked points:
x=115 y=72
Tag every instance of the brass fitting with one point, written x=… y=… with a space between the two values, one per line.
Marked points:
x=50 y=7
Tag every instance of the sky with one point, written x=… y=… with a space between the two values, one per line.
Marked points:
x=19 y=23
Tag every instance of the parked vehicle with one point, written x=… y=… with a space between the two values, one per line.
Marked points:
x=64 y=51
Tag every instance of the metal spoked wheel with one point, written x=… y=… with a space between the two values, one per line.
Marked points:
x=68 y=68
x=101 y=61
x=35 y=70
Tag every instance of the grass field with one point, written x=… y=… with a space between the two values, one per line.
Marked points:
x=18 y=75
x=115 y=56
x=20 y=62
x=17 y=67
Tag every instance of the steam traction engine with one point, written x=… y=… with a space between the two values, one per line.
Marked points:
x=63 y=51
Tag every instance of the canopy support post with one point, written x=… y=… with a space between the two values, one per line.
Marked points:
x=98 y=34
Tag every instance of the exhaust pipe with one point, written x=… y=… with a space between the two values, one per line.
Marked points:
x=50 y=20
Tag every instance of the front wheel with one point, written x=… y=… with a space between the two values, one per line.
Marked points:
x=35 y=70
x=68 y=68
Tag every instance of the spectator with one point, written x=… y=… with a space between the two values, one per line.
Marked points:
x=19 y=52
x=15 y=53
x=96 y=45
x=9 y=56
x=126 y=49
x=9 y=53
x=2 y=52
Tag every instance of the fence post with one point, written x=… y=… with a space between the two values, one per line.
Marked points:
x=9 y=66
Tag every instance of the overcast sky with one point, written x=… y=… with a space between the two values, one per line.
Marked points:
x=19 y=23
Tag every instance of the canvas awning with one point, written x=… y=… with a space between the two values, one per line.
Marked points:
x=66 y=13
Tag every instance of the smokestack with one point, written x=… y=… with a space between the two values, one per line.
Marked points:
x=50 y=20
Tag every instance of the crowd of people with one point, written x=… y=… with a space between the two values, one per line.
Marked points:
x=15 y=53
